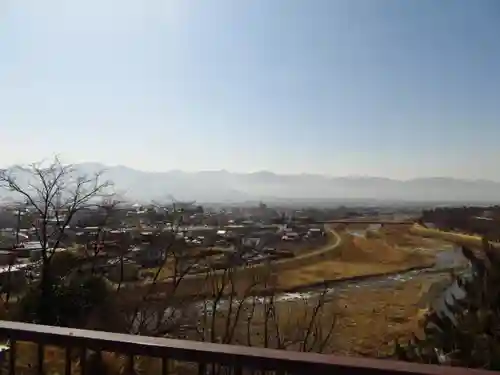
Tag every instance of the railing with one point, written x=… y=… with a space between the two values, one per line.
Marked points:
x=208 y=358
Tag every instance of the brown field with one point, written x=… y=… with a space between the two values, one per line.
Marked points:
x=454 y=237
x=303 y=254
x=360 y=329
x=364 y=329
x=403 y=236
x=389 y=250
x=386 y=314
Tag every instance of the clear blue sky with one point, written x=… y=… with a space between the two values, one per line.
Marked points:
x=342 y=87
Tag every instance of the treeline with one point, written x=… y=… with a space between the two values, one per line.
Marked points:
x=483 y=221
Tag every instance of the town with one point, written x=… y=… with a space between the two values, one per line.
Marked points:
x=136 y=236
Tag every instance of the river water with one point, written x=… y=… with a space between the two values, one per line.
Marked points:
x=447 y=259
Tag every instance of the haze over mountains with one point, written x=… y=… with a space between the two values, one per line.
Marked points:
x=224 y=186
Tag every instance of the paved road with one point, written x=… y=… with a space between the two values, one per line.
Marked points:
x=327 y=248
x=367 y=221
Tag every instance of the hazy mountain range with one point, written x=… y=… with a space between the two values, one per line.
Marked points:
x=223 y=186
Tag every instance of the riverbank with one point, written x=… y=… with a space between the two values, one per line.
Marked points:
x=261 y=276
x=371 y=328
x=374 y=278
x=346 y=257
x=462 y=239
x=391 y=309
x=359 y=257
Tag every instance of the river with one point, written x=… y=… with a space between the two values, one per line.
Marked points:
x=447 y=259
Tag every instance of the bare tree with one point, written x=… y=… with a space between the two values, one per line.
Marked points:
x=249 y=312
x=54 y=192
x=227 y=302
x=233 y=305
x=150 y=315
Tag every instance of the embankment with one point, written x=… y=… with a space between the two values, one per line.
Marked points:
x=462 y=239
x=345 y=257
x=241 y=278
x=357 y=256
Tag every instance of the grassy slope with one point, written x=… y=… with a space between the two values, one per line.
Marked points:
x=358 y=256
x=454 y=237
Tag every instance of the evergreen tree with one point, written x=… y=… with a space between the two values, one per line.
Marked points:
x=469 y=336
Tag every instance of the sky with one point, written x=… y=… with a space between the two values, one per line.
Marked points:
x=389 y=88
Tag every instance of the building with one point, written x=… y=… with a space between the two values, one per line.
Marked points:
x=7 y=257
x=13 y=278
x=291 y=236
x=30 y=249
x=129 y=272
x=147 y=255
x=315 y=232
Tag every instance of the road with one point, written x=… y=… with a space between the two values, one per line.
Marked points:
x=367 y=221
x=327 y=248
x=287 y=262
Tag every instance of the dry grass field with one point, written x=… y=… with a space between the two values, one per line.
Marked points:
x=391 y=249
x=361 y=329
x=386 y=314
x=364 y=329
x=462 y=239
x=385 y=251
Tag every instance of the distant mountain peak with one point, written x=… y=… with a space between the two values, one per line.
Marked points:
x=225 y=186
x=263 y=173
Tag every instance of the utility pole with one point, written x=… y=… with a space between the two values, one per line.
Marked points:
x=18 y=226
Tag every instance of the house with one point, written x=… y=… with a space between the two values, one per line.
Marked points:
x=148 y=256
x=119 y=235
x=197 y=231
x=291 y=236
x=7 y=257
x=13 y=278
x=9 y=238
x=315 y=232
x=87 y=235
x=260 y=239
x=30 y=249
x=105 y=247
x=129 y=272
x=252 y=242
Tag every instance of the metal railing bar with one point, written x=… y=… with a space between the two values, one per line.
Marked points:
x=40 y=358
x=202 y=368
x=230 y=355
x=67 y=361
x=164 y=366
x=12 y=356
x=83 y=360
x=130 y=365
